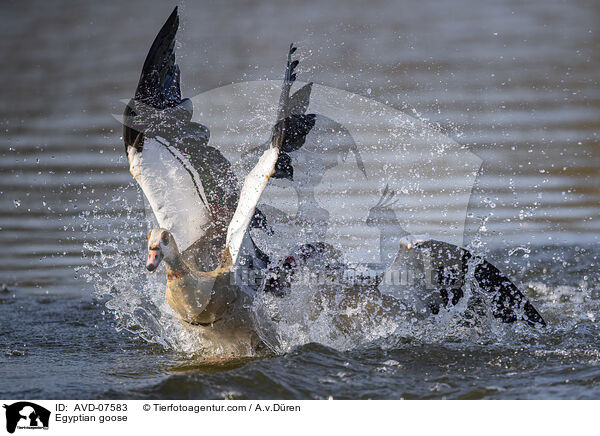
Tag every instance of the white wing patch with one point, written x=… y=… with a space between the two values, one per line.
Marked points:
x=190 y=168
x=163 y=175
x=254 y=185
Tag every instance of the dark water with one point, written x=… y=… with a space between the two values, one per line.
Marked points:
x=517 y=84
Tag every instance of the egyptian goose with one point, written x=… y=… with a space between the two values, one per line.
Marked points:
x=189 y=185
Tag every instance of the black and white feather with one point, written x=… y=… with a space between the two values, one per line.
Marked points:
x=189 y=185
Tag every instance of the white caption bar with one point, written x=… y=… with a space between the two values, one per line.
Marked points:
x=265 y=417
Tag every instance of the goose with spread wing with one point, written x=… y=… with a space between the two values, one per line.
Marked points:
x=189 y=185
x=203 y=297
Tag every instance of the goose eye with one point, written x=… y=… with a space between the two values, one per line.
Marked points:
x=165 y=238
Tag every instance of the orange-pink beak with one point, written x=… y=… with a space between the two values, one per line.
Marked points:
x=155 y=255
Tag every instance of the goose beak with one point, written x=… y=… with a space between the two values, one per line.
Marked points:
x=154 y=257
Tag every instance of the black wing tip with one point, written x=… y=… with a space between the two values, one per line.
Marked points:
x=169 y=29
x=159 y=81
x=290 y=76
x=163 y=45
x=173 y=18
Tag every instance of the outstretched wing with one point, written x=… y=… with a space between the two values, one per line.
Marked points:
x=167 y=152
x=254 y=185
x=449 y=264
x=256 y=181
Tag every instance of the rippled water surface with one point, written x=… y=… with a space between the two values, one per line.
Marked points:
x=517 y=84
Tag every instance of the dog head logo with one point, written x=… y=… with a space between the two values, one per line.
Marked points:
x=26 y=415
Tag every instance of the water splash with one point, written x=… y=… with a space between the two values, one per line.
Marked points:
x=433 y=173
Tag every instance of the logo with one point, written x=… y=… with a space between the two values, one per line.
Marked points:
x=413 y=178
x=26 y=415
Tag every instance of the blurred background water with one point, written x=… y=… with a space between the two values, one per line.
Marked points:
x=515 y=83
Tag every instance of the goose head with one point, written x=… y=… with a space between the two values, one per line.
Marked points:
x=161 y=245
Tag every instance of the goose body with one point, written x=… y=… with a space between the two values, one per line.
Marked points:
x=208 y=302
x=198 y=297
